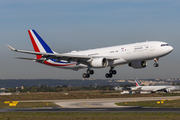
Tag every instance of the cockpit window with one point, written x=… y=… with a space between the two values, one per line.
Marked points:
x=164 y=45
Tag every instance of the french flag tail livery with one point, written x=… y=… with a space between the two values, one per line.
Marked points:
x=137 y=82
x=38 y=43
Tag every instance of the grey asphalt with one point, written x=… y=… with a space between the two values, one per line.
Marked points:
x=98 y=105
x=100 y=102
x=91 y=110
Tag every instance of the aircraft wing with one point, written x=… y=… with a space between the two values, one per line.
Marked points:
x=139 y=88
x=85 y=59
x=162 y=88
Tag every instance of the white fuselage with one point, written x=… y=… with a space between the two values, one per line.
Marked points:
x=135 y=55
x=127 y=53
x=153 y=88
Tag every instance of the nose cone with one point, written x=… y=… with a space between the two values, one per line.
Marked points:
x=170 y=49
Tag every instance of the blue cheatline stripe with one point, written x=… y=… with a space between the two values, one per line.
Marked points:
x=45 y=46
x=55 y=60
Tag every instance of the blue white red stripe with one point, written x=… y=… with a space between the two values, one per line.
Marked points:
x=36 y=49
x=40 y=46
x=57 y=64
x=137 y=82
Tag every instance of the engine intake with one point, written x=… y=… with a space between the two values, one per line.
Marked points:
x=139 y=64
x=99 y=62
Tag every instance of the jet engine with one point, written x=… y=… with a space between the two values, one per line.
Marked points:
x=167 y=90
x=99 y=62
x=139 y=64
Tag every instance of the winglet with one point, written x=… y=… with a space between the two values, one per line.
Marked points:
x=11 y=48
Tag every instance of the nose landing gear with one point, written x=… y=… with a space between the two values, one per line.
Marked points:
x=156 y=64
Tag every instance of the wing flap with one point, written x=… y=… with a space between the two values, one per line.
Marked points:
x=39 y=60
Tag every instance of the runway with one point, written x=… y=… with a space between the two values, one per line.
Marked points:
x=98 y=105
x=91 y=110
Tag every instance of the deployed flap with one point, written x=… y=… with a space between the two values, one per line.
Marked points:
x=39 y=60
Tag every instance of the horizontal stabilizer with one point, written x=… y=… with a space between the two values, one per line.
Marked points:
x=11 y=48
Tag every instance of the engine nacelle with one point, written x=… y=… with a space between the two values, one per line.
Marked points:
x=167 y=90
x=139 y=64
x=99 y=62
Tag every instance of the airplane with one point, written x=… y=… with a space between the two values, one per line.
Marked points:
x=135 y=55
x=152 y=89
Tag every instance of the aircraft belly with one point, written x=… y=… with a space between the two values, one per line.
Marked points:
x=135 y=56
x=64 y=65
x=145 y=89
x=117 y=62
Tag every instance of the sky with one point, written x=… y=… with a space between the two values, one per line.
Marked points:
x=68 y=25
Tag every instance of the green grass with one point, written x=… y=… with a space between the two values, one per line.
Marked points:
x=77 y=95
x=89 y=116
x=167 y=103
x=28 y=105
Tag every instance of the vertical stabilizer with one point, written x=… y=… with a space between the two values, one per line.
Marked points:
x=137 y=82
x=38 y=43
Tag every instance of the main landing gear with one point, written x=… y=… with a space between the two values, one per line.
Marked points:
x=111 y=73
x=88 y=73
x=91 y=72
x=156 y=64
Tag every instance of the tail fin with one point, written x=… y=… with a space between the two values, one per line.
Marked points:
x=39 y=44
x=137 y=82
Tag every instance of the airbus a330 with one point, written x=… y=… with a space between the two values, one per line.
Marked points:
x=135 y=55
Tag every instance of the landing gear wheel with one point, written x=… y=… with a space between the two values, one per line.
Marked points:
x=108 y=75
x=114 y=72
x=88 y=71
x=111 y=71
x=91 y=72
x=155 y=64
x=85 y=75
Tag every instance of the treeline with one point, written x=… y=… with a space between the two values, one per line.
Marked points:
x=175 y=84
x=45 y=88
